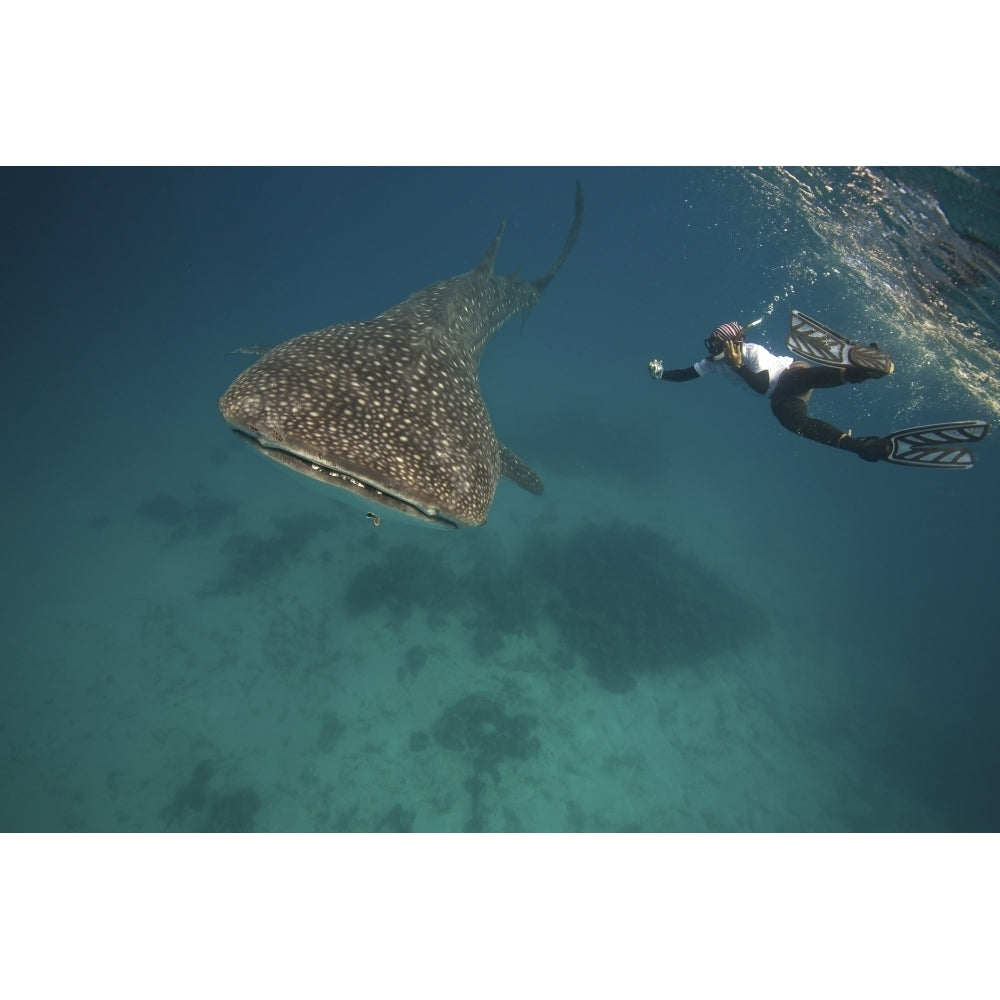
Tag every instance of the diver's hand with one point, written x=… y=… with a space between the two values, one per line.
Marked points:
x=734 y=353
x=655 y=369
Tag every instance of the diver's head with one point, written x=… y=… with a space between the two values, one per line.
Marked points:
x=727 y=333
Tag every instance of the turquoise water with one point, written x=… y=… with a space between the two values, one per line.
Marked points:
x=705 y=623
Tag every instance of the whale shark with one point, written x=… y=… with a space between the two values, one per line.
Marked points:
x=390 y=409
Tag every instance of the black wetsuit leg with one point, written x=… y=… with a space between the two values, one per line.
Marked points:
x=790 y=401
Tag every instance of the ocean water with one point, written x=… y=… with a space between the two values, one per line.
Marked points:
x=705 y=624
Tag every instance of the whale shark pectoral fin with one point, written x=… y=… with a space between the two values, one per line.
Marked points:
x=512 y=468
x=260 y=349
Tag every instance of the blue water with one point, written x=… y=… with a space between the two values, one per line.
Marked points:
x=705 y=623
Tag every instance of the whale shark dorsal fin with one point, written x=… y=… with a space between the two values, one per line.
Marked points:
x=486 y=264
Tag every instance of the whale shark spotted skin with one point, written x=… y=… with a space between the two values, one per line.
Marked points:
x=390 y=409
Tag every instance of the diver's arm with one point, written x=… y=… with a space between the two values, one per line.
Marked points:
x=758 y=381
x=657 y=371
x=679 y=374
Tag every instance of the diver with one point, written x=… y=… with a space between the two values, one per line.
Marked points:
x=789 y=384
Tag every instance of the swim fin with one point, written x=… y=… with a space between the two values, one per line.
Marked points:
x=813 y=341
x=936 y=446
